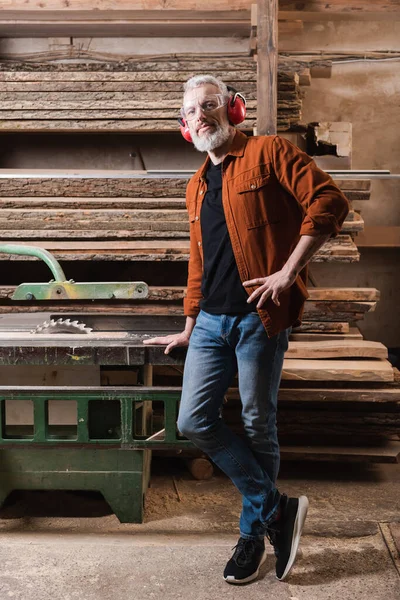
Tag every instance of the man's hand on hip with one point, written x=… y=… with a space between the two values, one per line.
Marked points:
x=272 y=286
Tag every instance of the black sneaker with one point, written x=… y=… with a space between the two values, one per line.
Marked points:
x=284 y=534
x=245 y=563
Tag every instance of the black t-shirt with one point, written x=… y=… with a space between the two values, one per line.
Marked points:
x=221 y=287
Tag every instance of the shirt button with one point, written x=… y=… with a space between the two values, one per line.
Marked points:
x=196 y=218
x=253 y=186
x=199 y=243
x=201 y=192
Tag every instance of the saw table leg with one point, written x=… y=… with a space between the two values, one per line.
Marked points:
x=125 y=496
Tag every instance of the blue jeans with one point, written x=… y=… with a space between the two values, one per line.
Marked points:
x=221 y=346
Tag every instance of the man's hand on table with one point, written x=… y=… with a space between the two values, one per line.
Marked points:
x=172 y=341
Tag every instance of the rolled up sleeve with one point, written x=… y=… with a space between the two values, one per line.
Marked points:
x=325 y=206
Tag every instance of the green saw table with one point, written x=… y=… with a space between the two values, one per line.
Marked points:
x=109 y=448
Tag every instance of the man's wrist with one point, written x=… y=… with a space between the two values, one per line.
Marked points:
x=290 y=271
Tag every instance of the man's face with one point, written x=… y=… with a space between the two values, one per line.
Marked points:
x=206 y=117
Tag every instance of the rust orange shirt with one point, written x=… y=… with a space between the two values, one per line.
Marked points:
x=272 y=193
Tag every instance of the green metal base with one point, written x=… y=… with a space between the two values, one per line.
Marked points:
x=122 y=476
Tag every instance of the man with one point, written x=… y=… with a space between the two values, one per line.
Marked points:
x=259 y=209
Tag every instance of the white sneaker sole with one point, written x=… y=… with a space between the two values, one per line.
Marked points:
x=298 y=528
x=231 y=579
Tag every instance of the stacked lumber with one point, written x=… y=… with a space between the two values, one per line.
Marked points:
x=142 y=218
x=126 y=96
x=338 y=397
x=354 y=420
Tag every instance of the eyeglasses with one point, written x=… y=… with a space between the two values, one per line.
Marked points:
x=207 y=105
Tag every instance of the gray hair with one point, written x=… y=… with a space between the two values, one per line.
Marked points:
x=198 y=80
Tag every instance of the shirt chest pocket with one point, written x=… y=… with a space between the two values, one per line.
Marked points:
x=258 y=201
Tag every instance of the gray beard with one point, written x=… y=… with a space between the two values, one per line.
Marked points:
x=212 y=140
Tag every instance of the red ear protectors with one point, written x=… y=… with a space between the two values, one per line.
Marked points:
x=185 y=130
x=236 y=109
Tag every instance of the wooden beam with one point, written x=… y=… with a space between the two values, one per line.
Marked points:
x=267 y=66
x=180 y=9
x=186 y=19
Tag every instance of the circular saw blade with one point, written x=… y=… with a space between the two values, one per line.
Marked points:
x=62 y=326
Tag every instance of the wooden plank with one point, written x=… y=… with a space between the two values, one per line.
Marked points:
x=358 y=9
x=103 y=126
x=354 y=224
x=97 y=113
x=379 y=236
x=129 y=27
x=337 y=349
x=344 y=294
x=313 y=337
x=362 y=185
x=322 y=327
x=353 y=195
x=340 y=370
x=341 y=395
x=222 y=9
x=388 y=452
x=328 y=310
x=36 y=102
x=125 y=76
x=247 y=87
x=267 y=66
x=180 y=246
x=87 y=187
x=186 y=62
x=79 y=203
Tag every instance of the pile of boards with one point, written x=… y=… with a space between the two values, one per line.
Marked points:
x=339 y=397
x=129 y=96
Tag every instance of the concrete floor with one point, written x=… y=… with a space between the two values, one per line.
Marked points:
x=67 y=546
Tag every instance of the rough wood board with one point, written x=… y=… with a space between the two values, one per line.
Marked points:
x=318 y=395
x=153 y=125
x=154 y=76
x=389 y=452
x=362 y=185
x=344 y=294
x=372 y=395
x=93 y=203
x=340 y=370
x=314 y=337
x=354 y=225
x=337 y=349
